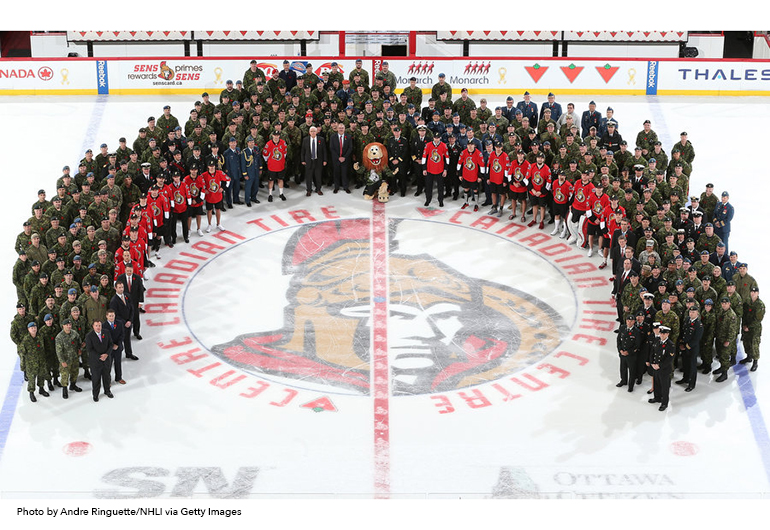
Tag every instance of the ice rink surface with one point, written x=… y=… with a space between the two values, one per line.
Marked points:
x=292 y=359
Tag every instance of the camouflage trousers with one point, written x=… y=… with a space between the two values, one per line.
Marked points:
x=751 y=342
x=36 y=373
x=707 y=349
x=724 y=353
x=70 y=373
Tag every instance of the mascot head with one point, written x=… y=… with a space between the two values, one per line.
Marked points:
x=375 y=156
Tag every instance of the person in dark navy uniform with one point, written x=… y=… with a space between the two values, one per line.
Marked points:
x=660 y=362
x=689 y=346
x=556 y=111
x=723 y=215
x=629 y=342
x=528 y=108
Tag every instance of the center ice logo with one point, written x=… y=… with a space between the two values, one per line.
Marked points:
x=445 y=330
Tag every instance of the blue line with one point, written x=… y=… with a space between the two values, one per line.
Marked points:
x=17 y=378
x=754 y=413
x=659 y=118
x=9 y=405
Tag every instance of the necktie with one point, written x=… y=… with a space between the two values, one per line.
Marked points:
x=625 y=275
x=312 y=149
x=100 y=336
x=129 y=284
x=340 y=145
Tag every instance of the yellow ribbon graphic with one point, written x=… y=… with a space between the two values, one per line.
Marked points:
x=64 y=74
x=502 y=72
x=218 y=73
x=631 y=76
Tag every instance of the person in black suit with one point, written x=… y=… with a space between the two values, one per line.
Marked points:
x=124 y=310
x=341 y=147
x=660 y=361
x=689 y=345
x=288 y=75
x=99 y=348
x=115 y=328
x=134 y=286
x=313 y=157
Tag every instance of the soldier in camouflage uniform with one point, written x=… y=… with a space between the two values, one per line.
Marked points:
x=708 y=240
x=708 y=317
x=20 y=270
x=744 y=282
x=685 y=147
x=753 y=313
x=33 y=351
x=726 y=332
x=68 y=351
x=47 y=332
x=708 y=201
x=666 y=317
x=19 y=331
x=630 y=298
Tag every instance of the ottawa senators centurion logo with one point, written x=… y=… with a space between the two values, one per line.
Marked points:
x=445 y=330
x=580 y=196
x=277 y=154
x=194 y=191
x=469 y=163
x=213 y=186
x=434 y=156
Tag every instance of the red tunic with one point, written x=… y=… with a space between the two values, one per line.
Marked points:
x=435 y=157
x=597 y=205
x=518 y=173
x=539 y=179
x=583 y=192
x=180 y=196
x=158 y=209
x=275 y=154
x=562 y=192
x=214 y=185
x=471 y=164
x=498 y=167
x=196 y=188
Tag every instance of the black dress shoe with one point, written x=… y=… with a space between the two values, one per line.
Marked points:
x=754 y=366
x=745 y=360
x=681 y=382
x=307 y=194
x=417 y=193
x=717 y=371
x=427 y=203
x=256 y=201
x=722 y=377
x=336 y=190
x=248 y=205
x=109 y=395
x=237 y=202
x=403 y=194
x=187 y=240
x=132 y=357
x=653 y=400
x=347 y=190
x=662 y=408
x=621 y=384
x=269 y=198
x=650 y=391
x=142 y=310
x=440 y=204
x=689 y=389
x=96 y=399
x=639 y=381
x=138 y=336
x=630 y=388
x=706 y=370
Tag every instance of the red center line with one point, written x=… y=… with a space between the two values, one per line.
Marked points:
x=381 y=370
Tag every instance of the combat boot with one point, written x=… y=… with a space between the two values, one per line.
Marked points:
x=706 y=369
x=50 y=386
x=76 y=388
x=754 y=365
x=56 y=382
x=732 y=360
x=43 y=392
x=32 y=397
x=722 y=377
x=745 y=360
x=87 y=374
x=64 y=392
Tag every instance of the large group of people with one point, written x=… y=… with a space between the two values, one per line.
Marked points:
x=680 y=292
